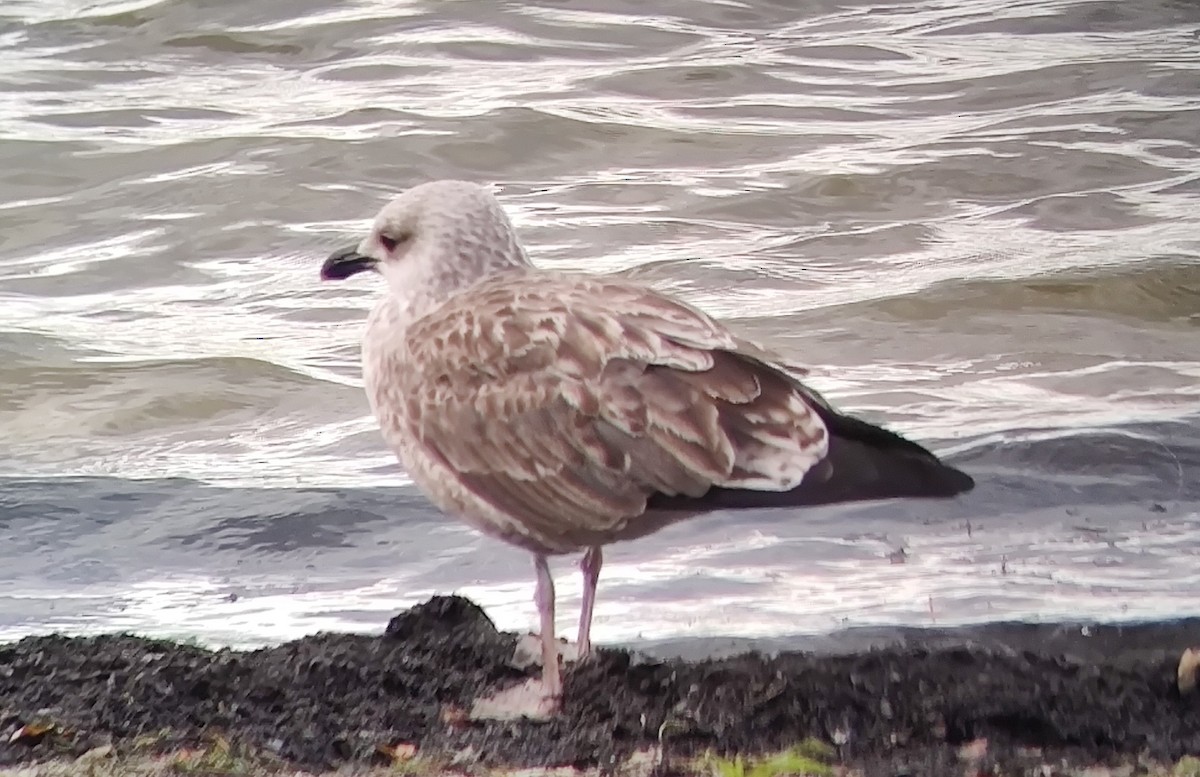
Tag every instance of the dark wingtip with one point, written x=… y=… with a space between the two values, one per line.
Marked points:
x=871 y=462
x=956 y=481
x=865 y=463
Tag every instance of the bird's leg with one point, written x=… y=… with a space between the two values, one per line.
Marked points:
x=590 y=566
x=537 y=698
x=544 y=596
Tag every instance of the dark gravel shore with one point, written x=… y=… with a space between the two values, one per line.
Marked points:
x=1035 y=695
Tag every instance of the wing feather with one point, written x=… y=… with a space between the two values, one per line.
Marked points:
x=564 y=403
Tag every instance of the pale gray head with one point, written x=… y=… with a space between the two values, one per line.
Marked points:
x=433 y=240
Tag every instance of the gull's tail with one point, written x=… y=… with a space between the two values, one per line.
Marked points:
x=865 y=462
x=869 y=462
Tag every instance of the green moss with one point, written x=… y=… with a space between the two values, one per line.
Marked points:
x=1188 y=766
x=418 y=767
x=219 y=758
x=808 y=758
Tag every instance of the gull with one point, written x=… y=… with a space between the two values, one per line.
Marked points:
x=563 y=412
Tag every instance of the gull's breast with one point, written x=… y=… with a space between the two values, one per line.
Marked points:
x=389 y=375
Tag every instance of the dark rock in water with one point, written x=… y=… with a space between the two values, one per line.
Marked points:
x=332 y=698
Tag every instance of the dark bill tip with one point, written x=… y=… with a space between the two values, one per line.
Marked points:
x=343 y=263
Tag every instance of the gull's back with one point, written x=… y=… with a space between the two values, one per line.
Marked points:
x=560 y=412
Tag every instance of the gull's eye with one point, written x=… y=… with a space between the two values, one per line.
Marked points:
x=390 y=242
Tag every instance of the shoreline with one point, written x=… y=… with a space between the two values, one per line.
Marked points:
x=1002 y=698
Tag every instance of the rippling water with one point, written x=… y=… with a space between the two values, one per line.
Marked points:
x=979 y=221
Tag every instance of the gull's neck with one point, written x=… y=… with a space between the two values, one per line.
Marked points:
x=384 y=341
x=447 y=260
x=394 y=313
x=425 y=298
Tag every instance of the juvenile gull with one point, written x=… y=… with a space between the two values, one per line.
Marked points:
x=562 y=412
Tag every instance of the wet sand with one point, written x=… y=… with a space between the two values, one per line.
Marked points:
x=1036 y=695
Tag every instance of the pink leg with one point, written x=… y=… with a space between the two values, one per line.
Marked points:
x=537 y=698
x=590 y=565
x=544 y=595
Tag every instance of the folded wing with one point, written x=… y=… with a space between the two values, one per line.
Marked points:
x=569 y=403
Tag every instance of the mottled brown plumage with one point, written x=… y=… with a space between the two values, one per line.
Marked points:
x=570 y=402
x=563 y=412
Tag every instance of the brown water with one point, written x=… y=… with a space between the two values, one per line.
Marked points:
x=978 y=221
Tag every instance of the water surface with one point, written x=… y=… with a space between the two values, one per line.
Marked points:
x=978 y=221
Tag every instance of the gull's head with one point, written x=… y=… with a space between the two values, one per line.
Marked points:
x=433 y=240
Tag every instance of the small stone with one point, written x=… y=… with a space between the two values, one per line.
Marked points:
x=1189 y=665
